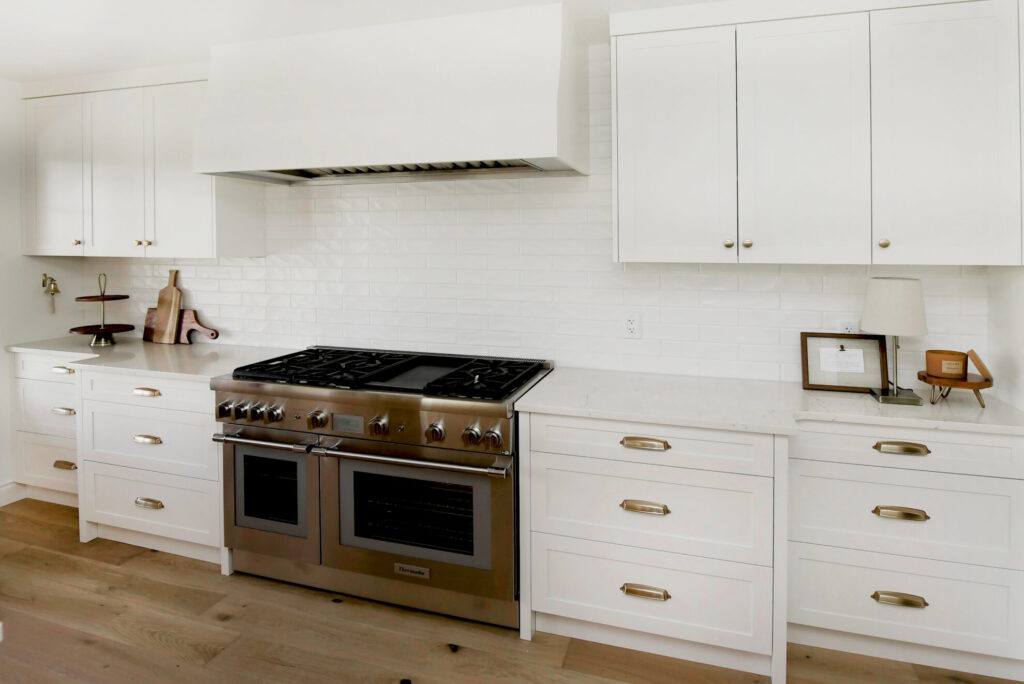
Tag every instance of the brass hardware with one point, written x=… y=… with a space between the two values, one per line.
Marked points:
x=644 y=591
x=144 y=502
x=748 y=243
x=65 y=465
x=63 y=411
x=50 y=288
x=649 y=507
x=147 y=243
x=648 y=443
x=146 y=392
x=900 y=513
x=904 y=448
x=147 y=439
x=729 y=244
x=883 y=243
x=63 y=370
x=898 y=598
x=138 y=243
x=75 y=243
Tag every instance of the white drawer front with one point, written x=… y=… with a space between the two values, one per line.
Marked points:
x=123 y=435
x=970 y=608
x=951 y=452
x=48 y=408
x=140 y=390
x=45 y=461
x=733 y=452
x=45 y=367
x=717 y=515
x=713 y=602
x=167 y=505
x=977 y=520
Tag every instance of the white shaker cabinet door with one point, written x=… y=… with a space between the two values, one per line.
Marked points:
x=54 y=193
x=675 y=145
x=946 y=134
x=115 y=145
x=804 y=129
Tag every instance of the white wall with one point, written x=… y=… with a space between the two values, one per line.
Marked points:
x=1006 y=330
x=523 y=267
x=24 y=311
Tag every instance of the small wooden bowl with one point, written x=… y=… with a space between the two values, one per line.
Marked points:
x=942 y=363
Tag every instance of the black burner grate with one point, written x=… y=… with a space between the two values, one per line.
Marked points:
x=484 y=379
x=323 y=367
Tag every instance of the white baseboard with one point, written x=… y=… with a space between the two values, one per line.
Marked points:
x=961 y=661
x=210 y=554
x=15 y=491
x=11 y=492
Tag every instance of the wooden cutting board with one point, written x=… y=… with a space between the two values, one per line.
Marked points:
x=168 y=309
x=188 y=323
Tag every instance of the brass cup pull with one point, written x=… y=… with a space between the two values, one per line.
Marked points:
x=144 y=502
x=63 y=370
x=648 y=443
x=902 y=448
x=729 y=244
x=645 y=591
x=748 y=243
x=147 y=439
x=146 y=392
x=900 y=513
x=63 y=411
x=898 y=598
x=65 y=465
x=883 y=243
x=649 y=507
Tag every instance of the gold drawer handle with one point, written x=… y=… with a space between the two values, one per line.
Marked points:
x=144 y=502
x=147 y=439
x=898 y=598
x=649 y=507
x=903 y=448
x=146 y=392
x=900 y=513
x=65 y=465
x=63 y=411
x=63 y=370
x=645 y=591
x=648 y=443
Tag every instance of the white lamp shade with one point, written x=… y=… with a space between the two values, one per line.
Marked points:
x=894 y=306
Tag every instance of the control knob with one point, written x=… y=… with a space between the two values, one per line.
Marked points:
x=224 y=409
x=240 y=410
x=274 y=414
x=471 y=435
x=435 y=433
x=379 y=426
x=317 y=419
x=492 y=439
x=257 y=411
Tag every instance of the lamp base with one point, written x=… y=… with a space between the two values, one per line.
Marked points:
x=898 y=396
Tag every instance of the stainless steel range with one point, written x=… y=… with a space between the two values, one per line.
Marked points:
x=383 y=474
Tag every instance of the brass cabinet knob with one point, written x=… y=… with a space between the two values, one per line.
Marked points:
x=75 y=243
x=138 y=243
x=883 y=243
x=147 y=243
x=748 y=243
x=729 y=244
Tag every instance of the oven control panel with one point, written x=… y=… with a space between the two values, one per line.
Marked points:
x=430 y=428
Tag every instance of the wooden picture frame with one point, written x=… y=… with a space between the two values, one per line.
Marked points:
x=872 y=353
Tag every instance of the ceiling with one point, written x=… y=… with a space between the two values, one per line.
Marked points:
x=45 y=39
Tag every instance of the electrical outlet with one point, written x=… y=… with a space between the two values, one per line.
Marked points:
x=632 y=327
x=849 y=326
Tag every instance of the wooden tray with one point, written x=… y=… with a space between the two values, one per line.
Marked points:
x=941 y=387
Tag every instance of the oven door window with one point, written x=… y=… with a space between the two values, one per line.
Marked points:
x=270 y=490
x=416 y=512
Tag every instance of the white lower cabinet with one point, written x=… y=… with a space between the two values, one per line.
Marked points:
x=45 y=461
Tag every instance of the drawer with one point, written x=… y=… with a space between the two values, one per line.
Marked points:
x=970 y=608
x=123 y=435
x=731 y=452
x=717 y=515
x=968 y=453
x=140 y=390
x=48 y=408
x=182 y=508
x=712 y=602
x=977 y=520
x=46 y=367
x=45 y=461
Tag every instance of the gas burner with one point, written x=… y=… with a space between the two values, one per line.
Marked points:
x=483 y=379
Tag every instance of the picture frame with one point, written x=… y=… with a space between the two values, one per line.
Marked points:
x=827 y=367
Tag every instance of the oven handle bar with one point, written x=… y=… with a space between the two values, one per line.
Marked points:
x=501 y=467
x=245 y=441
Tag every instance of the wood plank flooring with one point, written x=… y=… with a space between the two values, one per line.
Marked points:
x=111 y=612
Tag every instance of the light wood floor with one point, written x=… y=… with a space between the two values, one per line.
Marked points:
x=111 y=612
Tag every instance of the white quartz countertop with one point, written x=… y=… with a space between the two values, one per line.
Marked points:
x=131 y=355
x=747 y=405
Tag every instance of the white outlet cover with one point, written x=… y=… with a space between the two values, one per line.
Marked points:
x=632 y=325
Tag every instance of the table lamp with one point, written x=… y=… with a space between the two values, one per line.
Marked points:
x=894 y=306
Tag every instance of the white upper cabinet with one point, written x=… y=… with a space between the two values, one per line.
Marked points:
x=675 y=146
x=54 y=191
x=804 y=136
x=946 y=130
x=115 y=147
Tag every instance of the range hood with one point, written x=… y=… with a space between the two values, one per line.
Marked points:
x=502 y=92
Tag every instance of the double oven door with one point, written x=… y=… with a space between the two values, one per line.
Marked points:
x=432 y=517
